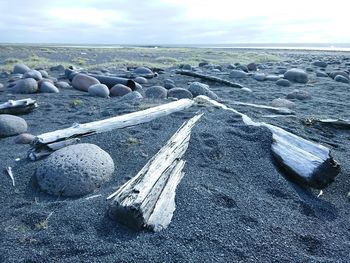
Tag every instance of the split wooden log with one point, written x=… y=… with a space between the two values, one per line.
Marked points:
x=148 y=199
x=304 y=161
x=210 y=78
x=46 y=143
x=18 y=106
x=111 y=81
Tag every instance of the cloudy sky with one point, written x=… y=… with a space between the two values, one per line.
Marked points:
x=174 y=21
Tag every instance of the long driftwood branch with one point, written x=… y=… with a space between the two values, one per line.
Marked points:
x=305 y=161
x=45 y=143
x=210 y=78
x=148 y=199
x=18 y=106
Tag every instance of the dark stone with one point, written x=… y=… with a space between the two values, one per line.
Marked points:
x=179 y=93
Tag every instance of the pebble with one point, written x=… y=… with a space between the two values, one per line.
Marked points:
x=283 y=82
x=20 y=69
x=48 y=87
x=259 y=76
x=238 y=74
x=169 y=85
x=180 y=93
x=320 y=64
x=120 y=90
x=34 y=74
x=282 y=103
x=252 y=67
x=57 y=68
x=24 y=138
x=321 y=74
x=75 y=170
x=333 y=74
x=99 y=90
x=187 y=67
x=2 y=87
x=144 y=72
x=62 y=85
x=296 y=75
x=340 y=78
x=141 y=80
x=242 y=67
x=299 y=95
x=12 y=125
x=272 y=77
x=83 y=82
x=156 y=92
x=44 y=73
x=197 y=88
x=132 y=96
x=25 y=86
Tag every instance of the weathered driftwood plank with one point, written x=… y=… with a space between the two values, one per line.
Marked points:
x=148 y=199
x=270 y=108
x=210 y=78
x=18 y=106
x=304 y=161
x=111 y=81
x=45 y=143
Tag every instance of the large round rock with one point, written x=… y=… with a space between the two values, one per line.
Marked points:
x=26 y=86
x=156 y=92
x=11 y=125
x=75 y=170
x=20 y=68
x=83 y=82
x=296 y=75
x=197 y=88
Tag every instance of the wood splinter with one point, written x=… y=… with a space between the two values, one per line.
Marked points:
x=304 y=161
x=148 y=199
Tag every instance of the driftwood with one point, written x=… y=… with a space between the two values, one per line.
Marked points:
x=210 y=78
x=46 y=143
x=148 y=199
x=18 y=106
x=10 y=174
x=304 y=161
x=270 y=108
x=111 y=81
x=337 y=123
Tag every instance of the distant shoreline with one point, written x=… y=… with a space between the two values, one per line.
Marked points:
x=344 y=47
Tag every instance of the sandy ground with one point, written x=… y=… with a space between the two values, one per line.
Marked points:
x=233 y=204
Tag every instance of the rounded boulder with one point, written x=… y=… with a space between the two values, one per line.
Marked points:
x=48 y=87
x=34 y=74
x=282 y=103
x=75 y=170
x=144 y=72
x=197 y=88
x=26 y=86
x=12 y=125
x=83 y=82
x=296 y=75
x=179 y=93
x=283 y=83
x=20 y=69
x=120 y=90
x=99 y=90
x=156 y=92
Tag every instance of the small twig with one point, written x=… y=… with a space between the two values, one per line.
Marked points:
x=321 y=193
x=93 y=196
x=9 y=172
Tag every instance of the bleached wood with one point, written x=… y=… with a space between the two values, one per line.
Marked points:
x=148 y=199
x=210 y=78
x=305 y=161
x=337 y=123
x=279 y=110
x=18 y=106
x=52 y=140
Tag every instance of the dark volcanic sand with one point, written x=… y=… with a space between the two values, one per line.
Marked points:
x=233 y=204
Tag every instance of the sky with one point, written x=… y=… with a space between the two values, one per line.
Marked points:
x=173 y=21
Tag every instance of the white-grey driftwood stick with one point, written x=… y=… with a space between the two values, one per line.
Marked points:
x=305 y=161
x=148 y=199
x=18 y=106
x=52 y=141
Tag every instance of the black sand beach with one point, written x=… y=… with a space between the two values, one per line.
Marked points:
x=234 y=203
